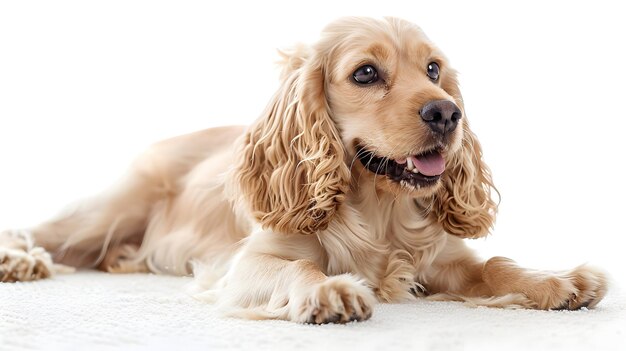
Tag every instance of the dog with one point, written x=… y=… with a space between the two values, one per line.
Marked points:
x=356 y=185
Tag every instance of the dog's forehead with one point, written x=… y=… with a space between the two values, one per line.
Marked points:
x=388 y=49
x=363 y=34
x=390 y=44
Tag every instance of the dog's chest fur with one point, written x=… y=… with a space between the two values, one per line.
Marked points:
x=392 y=233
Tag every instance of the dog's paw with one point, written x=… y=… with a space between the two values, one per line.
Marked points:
x=588 y=287
x=583 y=286
x=338 y=299
x=21 y=260
x=580 y=287
x=17 y=265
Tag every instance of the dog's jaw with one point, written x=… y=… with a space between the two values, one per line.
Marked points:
x=402 y=175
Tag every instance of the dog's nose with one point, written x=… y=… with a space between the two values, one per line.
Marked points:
x=442 y=116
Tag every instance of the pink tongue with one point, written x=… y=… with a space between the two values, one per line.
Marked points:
x=430 y=164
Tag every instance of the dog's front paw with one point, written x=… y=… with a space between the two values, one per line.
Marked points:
x=17 y=265
x=583 y=286
x=338 y=299
x=588 y=287
x=580 y=287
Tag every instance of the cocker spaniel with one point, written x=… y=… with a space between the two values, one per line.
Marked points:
x=357 y=184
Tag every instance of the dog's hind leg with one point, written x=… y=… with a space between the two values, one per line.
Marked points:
x=106 y=232
x=97 y=233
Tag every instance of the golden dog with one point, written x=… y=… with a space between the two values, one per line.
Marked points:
x=356 y=185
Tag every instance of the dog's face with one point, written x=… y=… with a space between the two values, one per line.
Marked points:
x=372 y=100
x=395 y=101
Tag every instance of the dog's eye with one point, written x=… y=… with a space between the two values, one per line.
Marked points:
x=433 y=71
x=365 y=75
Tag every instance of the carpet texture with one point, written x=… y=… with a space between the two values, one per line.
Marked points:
x=99 y=311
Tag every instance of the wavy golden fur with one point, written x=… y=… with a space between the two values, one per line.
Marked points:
x=291 y=170
x=314 y=212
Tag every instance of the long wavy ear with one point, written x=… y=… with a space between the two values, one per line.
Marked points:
x=290 y=169
x=464 y=205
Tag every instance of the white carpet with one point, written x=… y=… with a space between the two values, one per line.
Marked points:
x=92 y=310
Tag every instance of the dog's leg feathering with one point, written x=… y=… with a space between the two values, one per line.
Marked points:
x=262 y=285
x=500 y=282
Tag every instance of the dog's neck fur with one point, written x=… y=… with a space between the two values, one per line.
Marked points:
x=389 y=229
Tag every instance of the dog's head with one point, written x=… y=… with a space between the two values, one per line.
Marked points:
x=373 y=99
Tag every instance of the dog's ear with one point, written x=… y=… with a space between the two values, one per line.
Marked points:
x=290 y=169
x=464 y=206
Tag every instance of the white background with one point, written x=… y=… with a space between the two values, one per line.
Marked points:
x=85 y=86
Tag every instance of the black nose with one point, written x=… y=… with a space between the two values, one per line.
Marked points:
x=442 y=116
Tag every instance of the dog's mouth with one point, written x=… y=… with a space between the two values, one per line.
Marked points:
x=419 y=170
